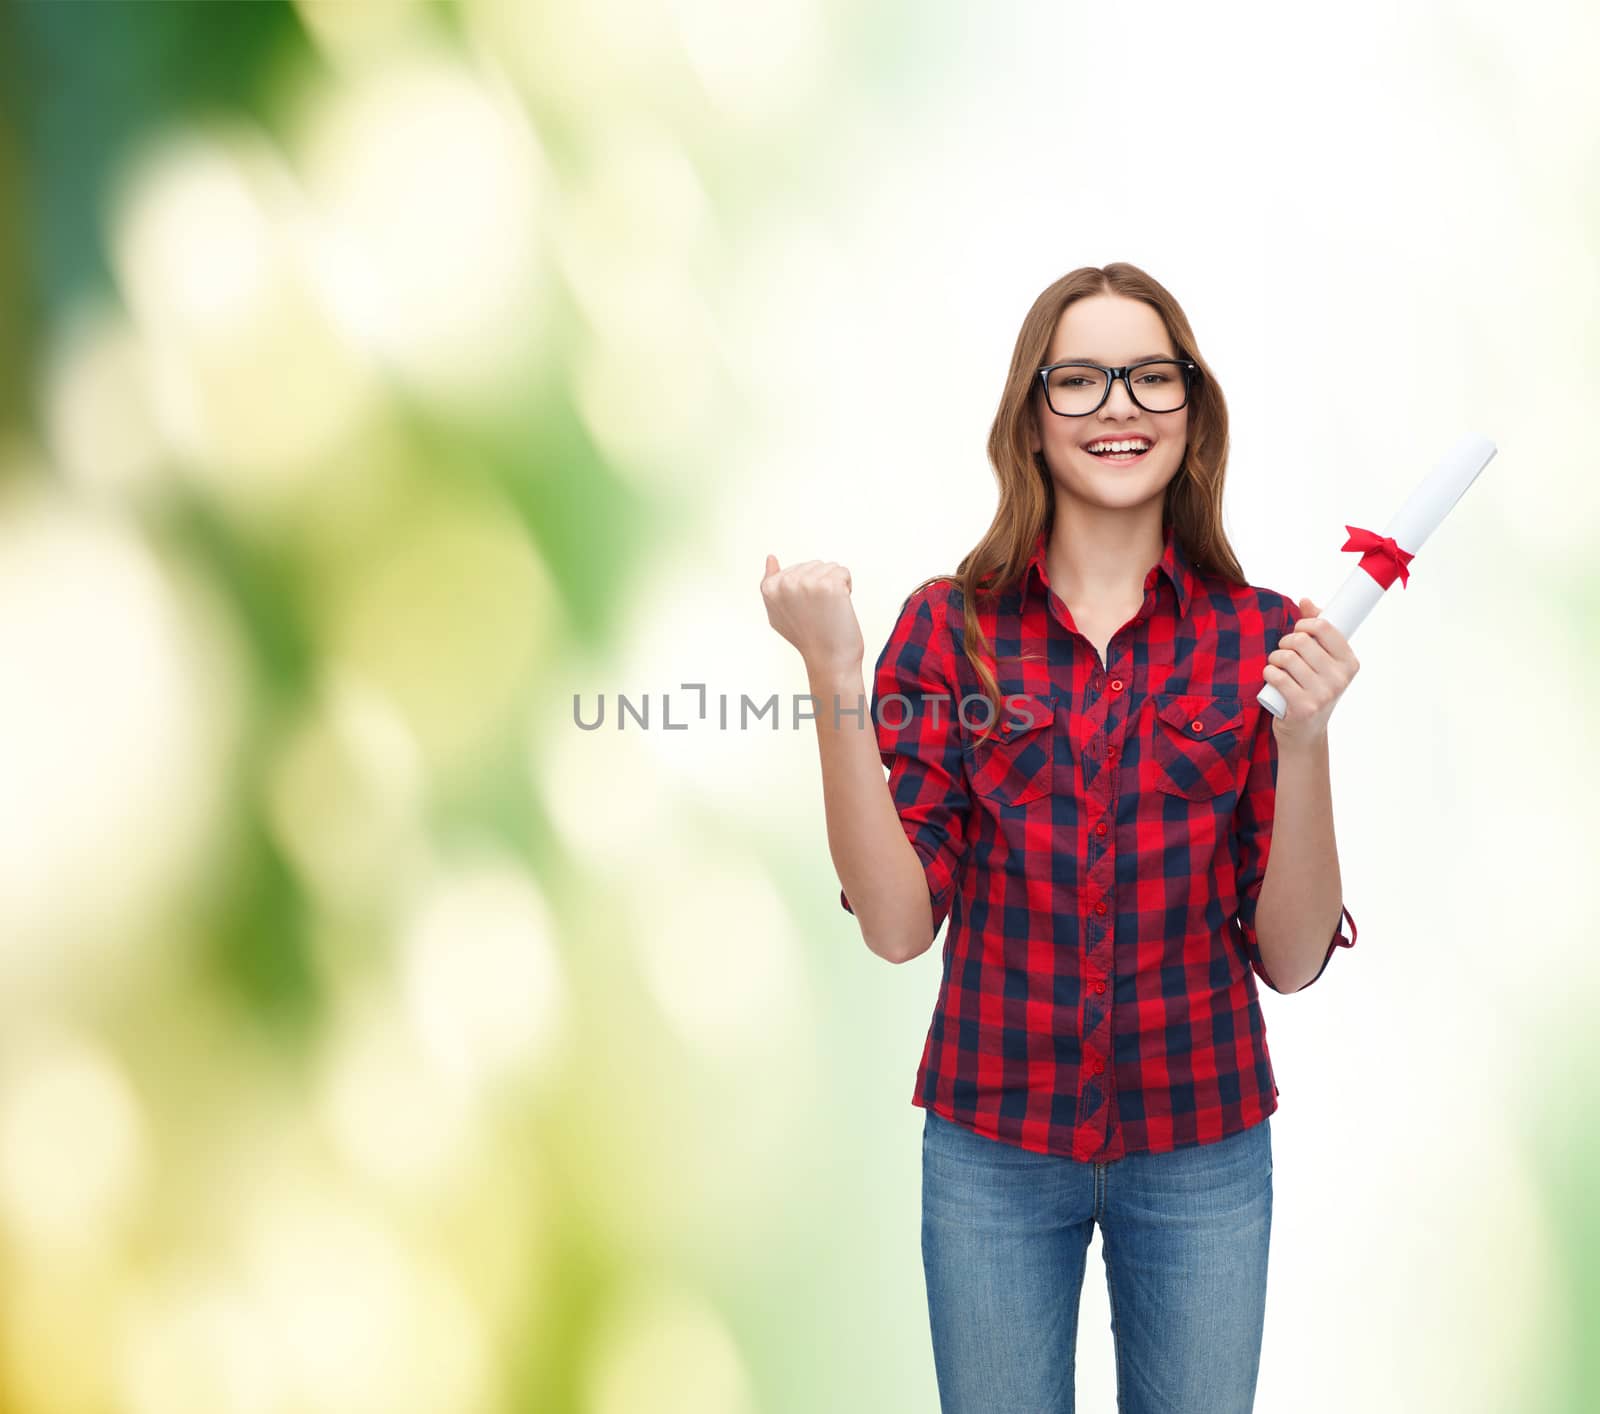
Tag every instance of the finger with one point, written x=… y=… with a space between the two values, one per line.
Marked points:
x=1284 y=681
x=1307 y=611
x=772 y=567
x=1327 y=635
x=1308 y=647
x=1292 y=665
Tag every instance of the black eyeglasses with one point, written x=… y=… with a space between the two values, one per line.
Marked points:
x=1077 y=388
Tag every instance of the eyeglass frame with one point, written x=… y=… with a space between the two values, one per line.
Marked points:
x=1189 y=368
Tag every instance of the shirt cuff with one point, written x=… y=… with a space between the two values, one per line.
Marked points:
x=1339 y=941
x=1253 y=949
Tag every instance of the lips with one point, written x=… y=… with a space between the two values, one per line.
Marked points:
x=1119 y=458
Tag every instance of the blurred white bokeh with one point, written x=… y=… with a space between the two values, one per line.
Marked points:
x=664 y=1348
x=254 y=384
x=73 y=1143
x=120 y=715
x=428 y=186
x=481 y=975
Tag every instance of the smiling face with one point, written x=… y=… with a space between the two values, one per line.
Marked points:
x=1113 y=330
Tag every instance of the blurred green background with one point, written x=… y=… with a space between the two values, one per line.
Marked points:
x=375 y=377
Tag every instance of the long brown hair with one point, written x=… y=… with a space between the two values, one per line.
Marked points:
x=1193 y=503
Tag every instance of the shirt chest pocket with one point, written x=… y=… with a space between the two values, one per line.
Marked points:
x=1197 y=744
x=1015 y=762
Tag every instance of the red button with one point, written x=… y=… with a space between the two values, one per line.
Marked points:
x=1116 y=684
x=1100 y=829
x=1111 y=753
x=1100 y=907
x=1099 y=986
x=1198 y=725
x=1096 y=1066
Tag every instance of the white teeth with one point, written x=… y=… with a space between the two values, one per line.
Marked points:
x=1133 y=445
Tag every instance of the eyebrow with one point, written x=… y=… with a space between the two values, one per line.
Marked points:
x=1142 y=358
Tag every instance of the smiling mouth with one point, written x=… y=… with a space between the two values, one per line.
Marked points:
x=1115 y=452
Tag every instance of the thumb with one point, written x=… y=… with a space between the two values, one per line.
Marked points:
x=772 y=565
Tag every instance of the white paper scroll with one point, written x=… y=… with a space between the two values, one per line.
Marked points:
x=1413 y=523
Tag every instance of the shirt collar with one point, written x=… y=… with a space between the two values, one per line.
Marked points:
x=1173 y=563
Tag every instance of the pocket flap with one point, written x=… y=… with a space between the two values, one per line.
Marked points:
x=1020 y=713
x=1014 y=762
x=1198 y=716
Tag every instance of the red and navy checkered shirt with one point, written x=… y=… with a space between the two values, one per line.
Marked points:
x=1099 y=854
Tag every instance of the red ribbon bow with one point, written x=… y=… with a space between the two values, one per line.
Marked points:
x=1381 y=557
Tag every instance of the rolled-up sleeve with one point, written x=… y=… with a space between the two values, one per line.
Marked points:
x=914 y=700
x=1253 y=831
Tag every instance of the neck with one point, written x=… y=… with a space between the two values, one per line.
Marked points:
x=1097 y=556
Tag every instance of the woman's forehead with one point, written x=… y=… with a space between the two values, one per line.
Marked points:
x=1110 y=329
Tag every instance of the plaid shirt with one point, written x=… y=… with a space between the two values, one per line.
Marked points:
x=1099 y=858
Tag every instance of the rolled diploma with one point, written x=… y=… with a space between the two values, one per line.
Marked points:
x=1413 y=523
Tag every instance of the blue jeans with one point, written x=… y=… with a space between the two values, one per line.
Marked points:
x=1005 y=1238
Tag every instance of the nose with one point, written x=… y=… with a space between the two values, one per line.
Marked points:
x=1120 y=403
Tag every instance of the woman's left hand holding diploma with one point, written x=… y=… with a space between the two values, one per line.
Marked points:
x=1311 y=666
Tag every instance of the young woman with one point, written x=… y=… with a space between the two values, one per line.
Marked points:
x=1122 y=839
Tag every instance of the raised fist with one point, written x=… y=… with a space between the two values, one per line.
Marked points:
x=809 y=604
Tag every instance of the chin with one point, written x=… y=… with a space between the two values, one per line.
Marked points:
x=1146 y=481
